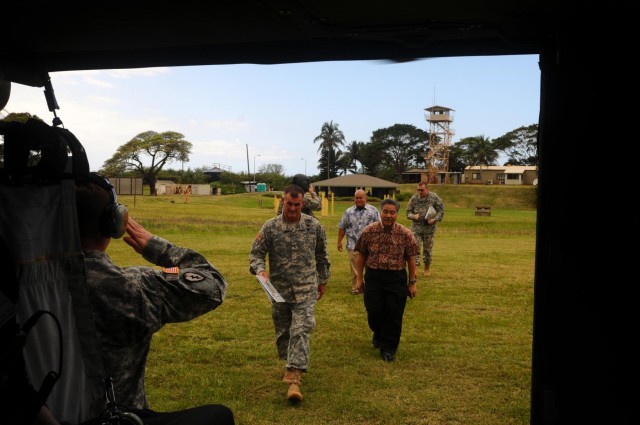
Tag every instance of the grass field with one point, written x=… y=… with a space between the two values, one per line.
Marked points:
x=465 y=351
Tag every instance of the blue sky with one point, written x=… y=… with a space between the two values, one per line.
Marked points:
x=275 y=111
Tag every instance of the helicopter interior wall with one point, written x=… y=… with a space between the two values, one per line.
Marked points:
x=584 y=355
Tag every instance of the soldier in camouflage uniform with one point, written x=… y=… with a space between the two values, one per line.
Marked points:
x=299 y=270
x=423 y=227
x=130 y=304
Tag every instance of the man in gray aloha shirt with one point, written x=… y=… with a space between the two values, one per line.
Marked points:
x=353 y=220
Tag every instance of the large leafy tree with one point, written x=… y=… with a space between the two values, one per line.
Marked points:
x=403 y=146
x=520 y=145
x=20 y=117
x=456 y=161
x=371 y=157
x=188 y=176
x=274 y=175
x=478 y=150
x=152 y=148
x=331 y=140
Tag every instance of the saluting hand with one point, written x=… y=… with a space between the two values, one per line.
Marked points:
x=138 y=237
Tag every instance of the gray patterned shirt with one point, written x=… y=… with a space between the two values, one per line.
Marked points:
x=353 y=221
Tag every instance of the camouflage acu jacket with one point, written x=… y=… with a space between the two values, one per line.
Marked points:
x=298 y=259
x=419 y=205
x=130 y=304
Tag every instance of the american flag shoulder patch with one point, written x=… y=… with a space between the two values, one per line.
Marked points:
x=171 y=270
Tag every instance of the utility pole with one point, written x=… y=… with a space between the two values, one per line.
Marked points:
x=254 y=169
x=248 y=169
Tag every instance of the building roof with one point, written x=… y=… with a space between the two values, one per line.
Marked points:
x=438 y=108
x=519 y=169
x=355 y=180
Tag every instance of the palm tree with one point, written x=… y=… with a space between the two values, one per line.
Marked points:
x=331 y=139
x=353 y=150
x=343 y=162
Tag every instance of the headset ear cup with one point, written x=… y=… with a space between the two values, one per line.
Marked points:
x=114 y=217
x=120 y=219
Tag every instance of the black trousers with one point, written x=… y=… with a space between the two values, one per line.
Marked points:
x=210 y=414
x=385 y=297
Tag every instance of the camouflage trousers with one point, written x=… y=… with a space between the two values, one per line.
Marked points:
x=425 y=244
x=293 y=323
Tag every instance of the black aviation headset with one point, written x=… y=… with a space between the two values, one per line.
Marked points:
x=113 y=220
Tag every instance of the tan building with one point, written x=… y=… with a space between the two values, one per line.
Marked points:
x=501 y=174
x=416 y=175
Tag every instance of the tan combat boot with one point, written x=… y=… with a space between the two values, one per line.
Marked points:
x=293 y=377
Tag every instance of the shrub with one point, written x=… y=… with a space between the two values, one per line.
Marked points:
x=403 y=196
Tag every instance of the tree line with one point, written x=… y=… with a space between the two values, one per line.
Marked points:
x=393 y=150
x=389 y=152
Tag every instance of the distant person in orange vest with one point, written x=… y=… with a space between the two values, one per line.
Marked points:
x=186 y=194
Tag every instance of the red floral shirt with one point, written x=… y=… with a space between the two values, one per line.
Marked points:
x=387 y=249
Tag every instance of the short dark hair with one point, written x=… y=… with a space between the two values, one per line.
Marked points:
x=91 y=201
x=294 y=190
x=391 y=201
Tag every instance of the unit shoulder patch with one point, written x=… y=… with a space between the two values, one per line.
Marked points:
x=192 y=277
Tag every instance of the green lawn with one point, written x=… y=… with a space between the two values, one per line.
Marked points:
x=465 y=352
